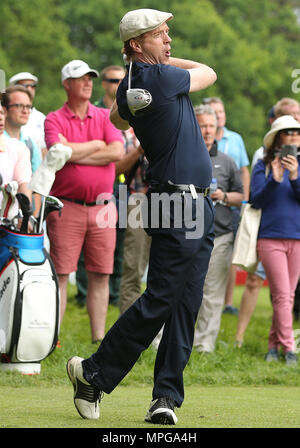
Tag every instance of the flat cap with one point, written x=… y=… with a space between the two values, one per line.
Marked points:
x=140 y=21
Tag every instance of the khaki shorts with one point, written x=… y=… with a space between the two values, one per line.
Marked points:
x=75 y=230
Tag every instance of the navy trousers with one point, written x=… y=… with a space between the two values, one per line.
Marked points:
x=177 y=270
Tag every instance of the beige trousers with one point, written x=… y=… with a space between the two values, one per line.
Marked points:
x=135 y=259
x=209 y=316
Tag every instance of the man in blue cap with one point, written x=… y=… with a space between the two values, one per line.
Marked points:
x=154 y=99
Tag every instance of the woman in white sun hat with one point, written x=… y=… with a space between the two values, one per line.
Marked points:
x=275 y=189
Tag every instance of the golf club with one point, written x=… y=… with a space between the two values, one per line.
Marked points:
x=25 y=206
x=35 y=223
x=138 y=100
x=42 y=214
x=5 y=222
x=49 y=204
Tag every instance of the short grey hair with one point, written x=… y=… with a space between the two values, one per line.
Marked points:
x=212 y=99
x=205 y=109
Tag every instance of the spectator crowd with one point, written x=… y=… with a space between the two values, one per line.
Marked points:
x=110 y=263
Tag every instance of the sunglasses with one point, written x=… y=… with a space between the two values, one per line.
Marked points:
x=28 y=85
x=28 y=107
x=112 y=80
x=291 y=131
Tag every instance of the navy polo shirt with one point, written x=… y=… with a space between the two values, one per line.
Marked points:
x=168 y=131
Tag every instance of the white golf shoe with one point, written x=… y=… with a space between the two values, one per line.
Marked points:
x=86 y=396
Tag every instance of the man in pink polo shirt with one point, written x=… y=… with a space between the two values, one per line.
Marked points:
x=96 y=145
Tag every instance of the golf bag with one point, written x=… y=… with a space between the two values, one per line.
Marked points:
x=29 y=299
x=29 y=291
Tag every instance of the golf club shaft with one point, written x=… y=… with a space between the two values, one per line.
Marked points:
x=42 y=214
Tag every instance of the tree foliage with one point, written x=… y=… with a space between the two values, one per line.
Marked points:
x=253 y=46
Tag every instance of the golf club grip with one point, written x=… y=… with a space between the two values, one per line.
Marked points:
x=24 y=225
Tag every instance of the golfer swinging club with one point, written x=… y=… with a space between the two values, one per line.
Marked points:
x=162 y=117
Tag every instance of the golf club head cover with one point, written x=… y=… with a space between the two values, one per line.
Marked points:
x=43 y=178
x=138 y=100
x=9 y=191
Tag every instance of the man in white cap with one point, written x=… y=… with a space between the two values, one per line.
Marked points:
x=34 y=128
x=154 y=100
x=96 y=146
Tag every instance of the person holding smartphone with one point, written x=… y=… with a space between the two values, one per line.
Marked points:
x=275 y=189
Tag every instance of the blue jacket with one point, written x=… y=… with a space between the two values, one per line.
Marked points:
x=279 y=202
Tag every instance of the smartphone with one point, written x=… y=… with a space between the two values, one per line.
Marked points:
x=288 y=150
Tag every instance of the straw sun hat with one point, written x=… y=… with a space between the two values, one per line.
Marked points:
x=281 y=123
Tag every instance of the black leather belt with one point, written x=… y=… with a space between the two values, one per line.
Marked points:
x=170 y=188
x=79 y=201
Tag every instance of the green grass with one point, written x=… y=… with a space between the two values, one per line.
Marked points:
x=204 y=407
x=231 y=388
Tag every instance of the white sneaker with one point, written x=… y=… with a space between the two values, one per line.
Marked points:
x=86 y=396
x=162 y=411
